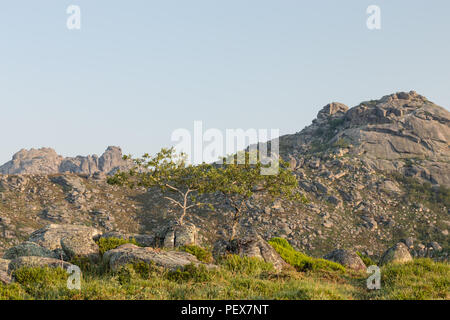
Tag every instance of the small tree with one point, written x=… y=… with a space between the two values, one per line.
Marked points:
x=179 y=182
x=239 y=182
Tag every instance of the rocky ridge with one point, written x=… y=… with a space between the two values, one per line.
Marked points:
x=47 y=161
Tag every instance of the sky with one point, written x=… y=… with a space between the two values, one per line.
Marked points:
x=138 y=70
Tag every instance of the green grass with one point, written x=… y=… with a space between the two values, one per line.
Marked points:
x=300 y=261
x=421 y=279
x=234 y=278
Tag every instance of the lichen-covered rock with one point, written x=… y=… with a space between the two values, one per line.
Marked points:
x=129 y=253
x=252 y=245
x=397 y=254
x=180 y=235
x=347 y=258
x=50 y=237
x=37 y=262
x=76 y=246
x=27 y=249
x=5 y=277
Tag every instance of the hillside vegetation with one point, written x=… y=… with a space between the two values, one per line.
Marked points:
x=235 y=278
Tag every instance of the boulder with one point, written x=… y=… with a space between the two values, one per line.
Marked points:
x=27 y=249
x=347 y=258
x=396 y=254
x=37 y=262
x=5 y=277
x=50 y=236
x=130 y=253
x=252 y=245
x=75 y=246
x=180 y=235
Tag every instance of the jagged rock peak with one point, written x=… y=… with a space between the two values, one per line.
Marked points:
x=332 y=109
x=47 y=161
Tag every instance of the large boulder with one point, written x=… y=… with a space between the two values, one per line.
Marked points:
x=397 y=254
x=37 y=262
x=252 y=245
x=129 y=253
x=27 y=249
x=347 y=258
x=50 y=236
x=75 y=246
x=180 y=235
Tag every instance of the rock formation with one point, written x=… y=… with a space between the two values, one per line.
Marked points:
x=47 y=161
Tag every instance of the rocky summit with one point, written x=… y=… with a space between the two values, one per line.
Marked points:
x=47 y=161
x=374 y=176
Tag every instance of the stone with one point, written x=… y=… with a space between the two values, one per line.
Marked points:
x=27 y=249
x=397 y=254
x=346 y=258
x=37 y=262
x=130 y=253
x=5 y=276
x=50 y=236
x=77 y=246
x=180 y=235
x=252 y=245
x=333 y=109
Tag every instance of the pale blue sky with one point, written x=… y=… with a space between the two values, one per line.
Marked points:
x=137 y=70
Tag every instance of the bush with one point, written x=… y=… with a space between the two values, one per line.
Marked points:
x=367 y=261
x=37 y=280
x=191 y=272
x=300 y=261
x=106 y=244
x=200 y=253
x=246 y=265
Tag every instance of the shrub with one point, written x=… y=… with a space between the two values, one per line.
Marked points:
x=106 y=244
x=246 y=265
x=367 y=261
x=200 y=253
x=37 y=280
x=300 y=261
x=191 y=272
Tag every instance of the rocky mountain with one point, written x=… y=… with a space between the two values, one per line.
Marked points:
x=374 y=175
x=47 y=161
x=402 y=132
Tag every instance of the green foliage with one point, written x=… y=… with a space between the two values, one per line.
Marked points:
x=200 y=253
x=240 y=177
x=191 y=272
x=367 y=260
x=236 y=180
x=300 y=261
x=37 y=280
x=180 y=182
x=106 y=244
x=246 y=265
